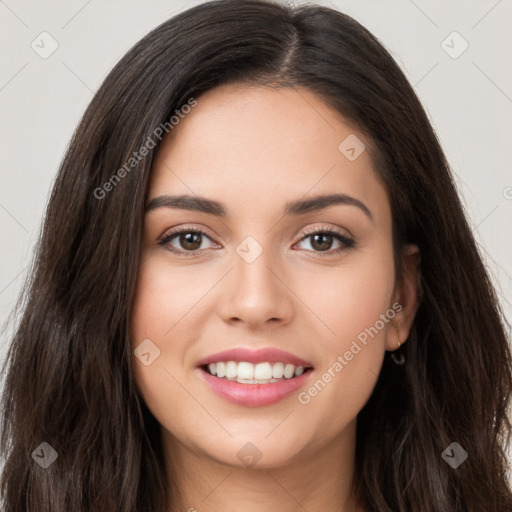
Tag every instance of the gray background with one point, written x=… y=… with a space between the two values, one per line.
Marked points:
x=468 y=100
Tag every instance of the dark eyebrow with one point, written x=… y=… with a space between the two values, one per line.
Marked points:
x=320 y=202
x=187 y=202
x=211 y=207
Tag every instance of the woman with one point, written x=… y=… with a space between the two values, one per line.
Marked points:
x=256 y=289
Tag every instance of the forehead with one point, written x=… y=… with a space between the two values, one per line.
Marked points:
x=244 y=144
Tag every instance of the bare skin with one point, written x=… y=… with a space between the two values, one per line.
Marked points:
x=255 y=149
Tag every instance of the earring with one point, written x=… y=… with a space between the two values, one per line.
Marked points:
x=397 y=357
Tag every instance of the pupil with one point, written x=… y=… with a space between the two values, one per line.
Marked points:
x=191 y=241
x=323 y=246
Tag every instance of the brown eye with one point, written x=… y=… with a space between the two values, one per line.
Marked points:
x=321 y=241
x=190 y=241
x=184 y=241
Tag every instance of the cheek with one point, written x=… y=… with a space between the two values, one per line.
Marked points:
x=355 y=306
x=351 y=297
x=162 y=300
x=158 y=314
x=163 y=295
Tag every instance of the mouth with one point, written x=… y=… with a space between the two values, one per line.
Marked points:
x=254 y=378
x=244 y=372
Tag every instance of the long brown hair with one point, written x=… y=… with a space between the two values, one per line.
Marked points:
x=68 y=380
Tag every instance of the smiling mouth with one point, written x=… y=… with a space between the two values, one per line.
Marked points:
x=244 y=372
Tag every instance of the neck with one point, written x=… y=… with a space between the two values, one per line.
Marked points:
x=317 y=479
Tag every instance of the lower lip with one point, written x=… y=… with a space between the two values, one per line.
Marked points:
x=253 y=395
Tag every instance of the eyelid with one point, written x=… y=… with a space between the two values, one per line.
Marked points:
x=326 y=227
x=187 y=227
x=308 y=231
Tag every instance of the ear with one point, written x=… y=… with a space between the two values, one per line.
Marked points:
x=405 y=295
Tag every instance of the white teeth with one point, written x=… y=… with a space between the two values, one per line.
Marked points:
x=231 y=369
x=263 y=371
x=254 y=381
x=278 y=370
x=289 y=371
x=245 y=371
x=221 y=369
x=299 y=371
x=248 y=373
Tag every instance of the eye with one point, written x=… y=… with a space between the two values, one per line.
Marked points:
x=190 y=239
x=321 y=240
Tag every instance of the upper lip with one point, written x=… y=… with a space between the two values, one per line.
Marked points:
x=271 y=355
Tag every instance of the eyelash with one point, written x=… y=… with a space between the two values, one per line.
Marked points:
x=348 y=242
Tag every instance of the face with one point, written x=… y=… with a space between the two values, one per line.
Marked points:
x=315 y=282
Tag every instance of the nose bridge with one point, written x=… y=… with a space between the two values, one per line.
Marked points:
x=257 y=293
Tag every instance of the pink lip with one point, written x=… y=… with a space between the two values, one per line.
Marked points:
x=253 y=395
x=271 y=355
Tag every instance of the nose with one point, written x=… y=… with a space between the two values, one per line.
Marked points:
x=257 y=294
